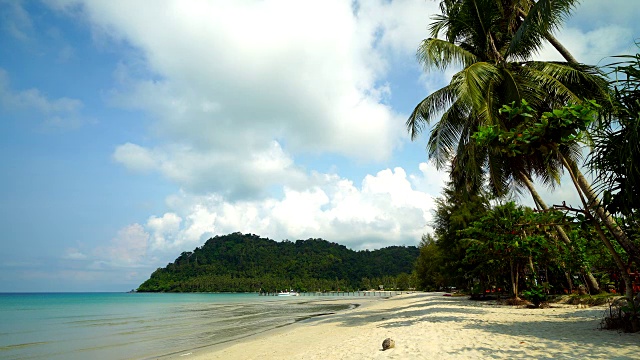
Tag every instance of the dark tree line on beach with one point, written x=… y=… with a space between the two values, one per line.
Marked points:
x=248 y=263
x=507 y=123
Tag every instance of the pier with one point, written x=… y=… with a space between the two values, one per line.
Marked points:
x=382 y=293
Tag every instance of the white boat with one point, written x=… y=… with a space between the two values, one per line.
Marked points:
x=288 y=293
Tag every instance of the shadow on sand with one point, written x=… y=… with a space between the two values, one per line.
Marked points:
x=548 y=338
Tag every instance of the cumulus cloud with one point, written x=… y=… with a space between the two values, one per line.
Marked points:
x=234 y=104
x=591 y=36
x=164 y=229
x=241 y=97
x=384 y=209
x=135 y=157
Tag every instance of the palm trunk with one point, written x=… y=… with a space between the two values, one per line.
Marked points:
x=593 y=283
x=514 y=279
x=556 y=44
x=628 y=285
x=561 y=49
x=606 y=218
x=533 y=270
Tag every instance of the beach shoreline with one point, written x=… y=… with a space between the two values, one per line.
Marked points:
x=430 y=325
x=204 y=351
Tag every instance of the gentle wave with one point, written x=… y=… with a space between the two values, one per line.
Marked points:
x=126 y=326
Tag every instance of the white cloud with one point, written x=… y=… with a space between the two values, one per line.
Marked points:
x=62 y=113
x=135 y=157
x=238 y=90
x=431 y=179
x=593 y=47
x=401 y=24
x=231 y=84
x=15 y=20
x=597 y=30
x=127 y=249
x=243 y=173
x=74 y=254
x=385 y=209
x=164 y=229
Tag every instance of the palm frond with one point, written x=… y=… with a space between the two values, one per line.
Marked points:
x=440 y=54
x=474 y=83
x=438 y=102
x=574 y=82
x=552 y=84
x=499 y=173
x=540 y=19
x=446 y=133
x=468 y=166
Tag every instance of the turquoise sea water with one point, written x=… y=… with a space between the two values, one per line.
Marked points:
x=138 y=325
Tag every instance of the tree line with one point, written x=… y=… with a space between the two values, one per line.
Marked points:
x=249 y=263
x=506 y=124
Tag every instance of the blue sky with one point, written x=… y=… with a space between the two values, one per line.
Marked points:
x=131 y=133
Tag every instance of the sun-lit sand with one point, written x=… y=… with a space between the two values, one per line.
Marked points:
x=433 y=326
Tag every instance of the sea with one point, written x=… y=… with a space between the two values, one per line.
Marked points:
x=141 y=325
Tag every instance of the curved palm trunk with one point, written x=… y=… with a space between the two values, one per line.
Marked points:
x=594 y=202
x=616 y=257
x=593 y=283
x=555 y=43
x=560 y=48
x=628 y=284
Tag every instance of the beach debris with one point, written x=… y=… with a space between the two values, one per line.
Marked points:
x=582 y=290
x=388 y=343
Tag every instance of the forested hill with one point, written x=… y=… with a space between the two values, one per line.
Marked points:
x=247 y=262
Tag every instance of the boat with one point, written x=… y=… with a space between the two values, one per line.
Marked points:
x=288 y=293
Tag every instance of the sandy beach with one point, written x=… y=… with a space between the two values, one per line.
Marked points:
x=433 y=326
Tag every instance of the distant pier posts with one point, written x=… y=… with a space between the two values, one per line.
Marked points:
x=387 y=293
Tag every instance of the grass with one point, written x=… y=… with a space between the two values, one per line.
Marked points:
x=589 y=300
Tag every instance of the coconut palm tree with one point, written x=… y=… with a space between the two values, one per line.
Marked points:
x=486 y=38
x=494 y=43
x=616 y=154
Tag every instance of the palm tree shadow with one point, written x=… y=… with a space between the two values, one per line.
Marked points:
x=418 y=311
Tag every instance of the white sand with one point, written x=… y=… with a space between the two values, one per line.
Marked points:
x=432 y=326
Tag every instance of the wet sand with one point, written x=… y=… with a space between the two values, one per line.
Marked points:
x=433 y=326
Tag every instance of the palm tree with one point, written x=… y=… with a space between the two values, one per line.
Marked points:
x=494 y=42
x=487 y=39
x=551 y=137
x=616 y=155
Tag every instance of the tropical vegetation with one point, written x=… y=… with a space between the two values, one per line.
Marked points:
x=249 y=263
x=506 y=123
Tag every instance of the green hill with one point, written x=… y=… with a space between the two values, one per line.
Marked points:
x=247 y=263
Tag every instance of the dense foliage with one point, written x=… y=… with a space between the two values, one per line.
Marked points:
x=506 y=120
x=616 y=155
x=246 y=263
x=510 y=248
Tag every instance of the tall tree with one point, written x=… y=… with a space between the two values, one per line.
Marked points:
x=428 y=269
x=488 y=39
x=456 y=211
x=550 y=136
x=616 y=154
x=494 y=43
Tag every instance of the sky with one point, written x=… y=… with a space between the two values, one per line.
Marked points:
x=132 y=132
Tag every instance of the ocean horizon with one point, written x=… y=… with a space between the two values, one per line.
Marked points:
x=122 y=325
